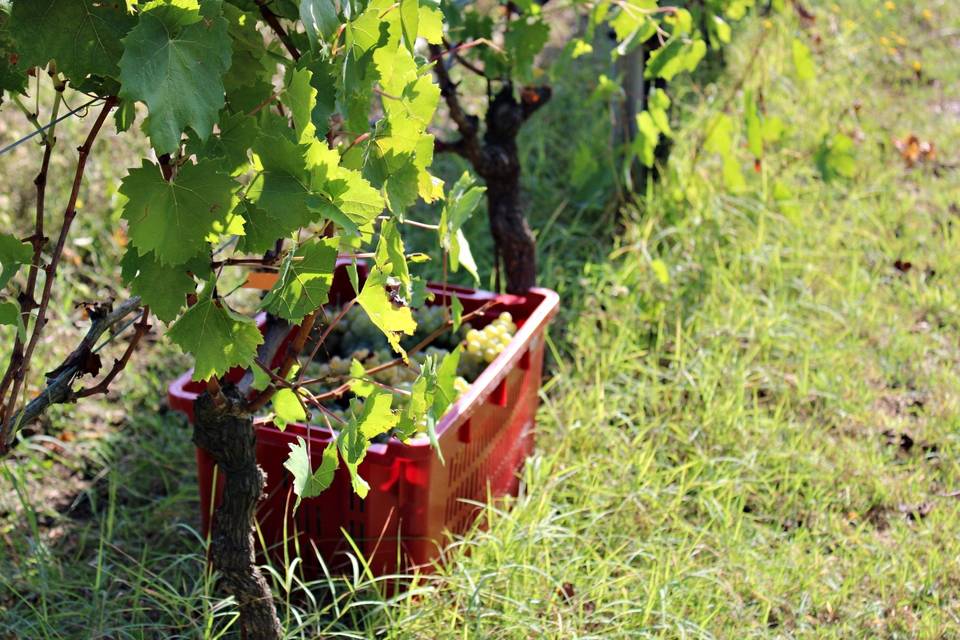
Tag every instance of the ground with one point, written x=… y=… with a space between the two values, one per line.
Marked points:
x=750 y=419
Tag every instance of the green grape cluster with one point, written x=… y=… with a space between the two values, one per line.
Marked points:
x=488 y=342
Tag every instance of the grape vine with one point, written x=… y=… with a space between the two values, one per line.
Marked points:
x=286 y=138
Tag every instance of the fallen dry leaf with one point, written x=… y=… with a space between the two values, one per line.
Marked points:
x=913 y=150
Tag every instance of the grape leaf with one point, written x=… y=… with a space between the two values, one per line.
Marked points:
x=13 y=253
x=283 y=186
x=391 y=259
x=286 y=408
x=722 y=30
x=174 y=60
x=163 y=287
x=392 y=320
x=525 y=38
x=83 y=36
x=262 y=228
x=648 y=134
x=309 y=483
x=304 y=281
x=261 y=380
x=431 y=395
x=324 y=79
x=215 y=336
x=375 y=418
x=431 y=24
x=360 y=387
x=460 y=205
x=665 y=61
x=301 y=97
x=237 y=134
x=10 y=315
x=456 y=312
x=12 y=78
x=632 y=24
x=410 y=21
x=319 y=18
x=354 y=196
x=172 y=219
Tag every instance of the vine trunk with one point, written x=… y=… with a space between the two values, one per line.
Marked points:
x=224 y=428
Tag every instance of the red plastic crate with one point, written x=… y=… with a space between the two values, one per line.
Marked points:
x=415 y=501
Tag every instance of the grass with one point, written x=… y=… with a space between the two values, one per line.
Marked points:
x=765 y=445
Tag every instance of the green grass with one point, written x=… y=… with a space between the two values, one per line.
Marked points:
x=719 y=456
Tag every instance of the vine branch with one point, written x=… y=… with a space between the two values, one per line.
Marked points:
x=271 y=19
x=81 y=361
x=18 y=370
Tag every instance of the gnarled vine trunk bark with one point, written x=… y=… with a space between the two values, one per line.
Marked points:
x=499 y=166
x=224 y=428
x=515 y=245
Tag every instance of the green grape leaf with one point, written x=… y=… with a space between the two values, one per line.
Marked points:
x=364 y=33
x=391 y=259
x=416 y=408
x=657 y=104
x=173 y=219
x=261 y=380
x=304 y=281
x=721 y=29
x=163 y=287
x=674 y=57
x=375 y=418
x=358 y=385
x=319 y=18
x=648 y=135
x=524 y=39
x=323 y=78
x=82 y=36
x=286 y=408
x=446 y=377
x=456 y=312
x=125 y=115
x=803 y=61
x=410 y=21
x=307 y=482
x=392 y=320
x=238 y=132
x=354 y=196
x=431 y=395
x=174 y=60
x=13 y=253
x=12 y=78
x=215 y=336
x=10 y=316
x=633 y=22
x=301 y=97
x=282 y=188
x=262 y=228
x=431 y=24
x=461 y=202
